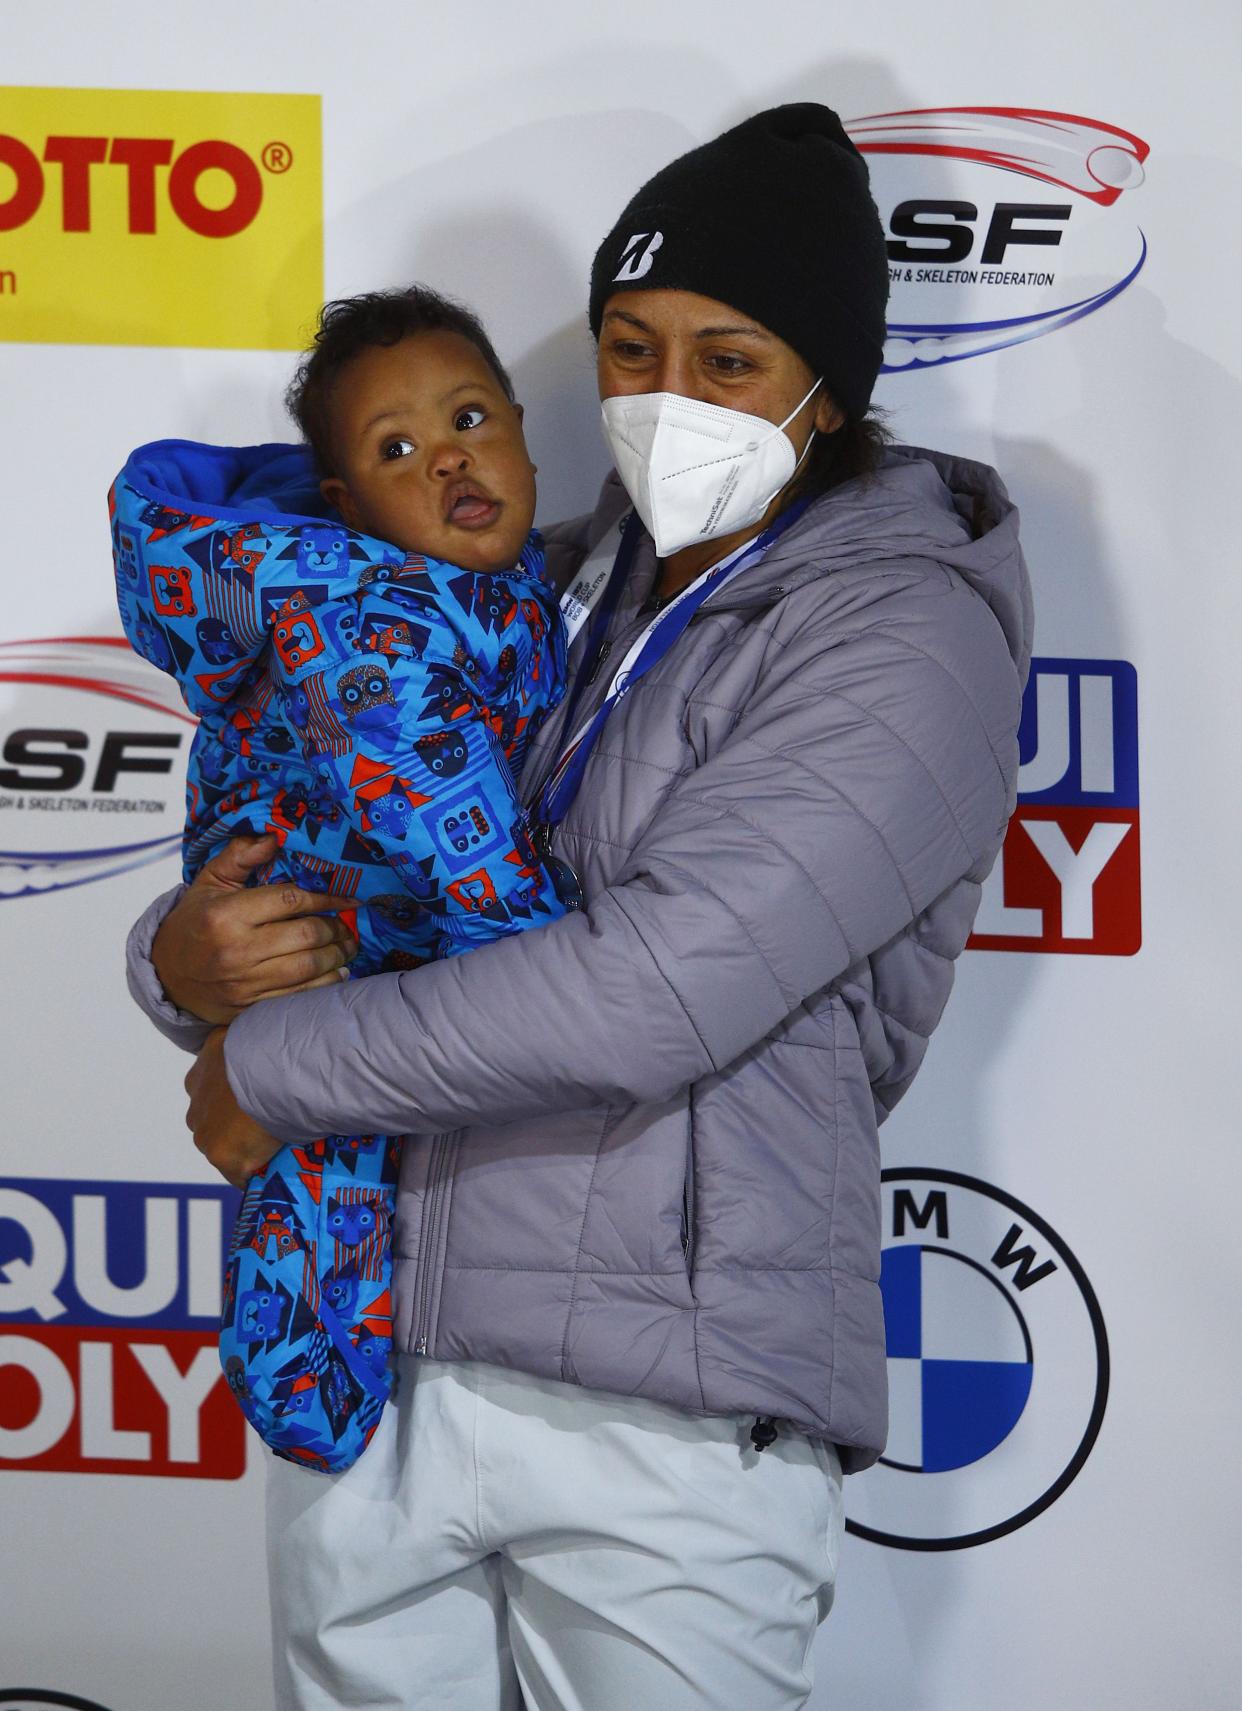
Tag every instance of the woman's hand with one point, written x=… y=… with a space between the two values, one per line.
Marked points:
x=225 y=946
x=228 y=1139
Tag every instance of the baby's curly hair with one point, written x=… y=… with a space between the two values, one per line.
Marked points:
x=350 y=325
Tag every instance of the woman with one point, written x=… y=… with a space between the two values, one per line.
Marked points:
x=637 y=1271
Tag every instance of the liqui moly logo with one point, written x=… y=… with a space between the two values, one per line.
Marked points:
x=1004 y=223
x=109 y=1307
x=1067 y=878
x=93 y=744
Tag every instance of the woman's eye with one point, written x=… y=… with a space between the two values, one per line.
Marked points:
x=630 y=350
x=398 y=448
x=472 y=418
x=725 y=363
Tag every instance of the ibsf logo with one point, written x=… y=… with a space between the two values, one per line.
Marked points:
x=997 y=1366
x=109 y=1307
x=93 y=742
x=1067 y=879
x=977 y=259
x=146 y=217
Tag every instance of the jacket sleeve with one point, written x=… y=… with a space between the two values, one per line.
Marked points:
x=864 y=777
x=183 y=1029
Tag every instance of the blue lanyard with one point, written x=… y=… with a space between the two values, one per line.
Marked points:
x=602 y=617
x=557 y=796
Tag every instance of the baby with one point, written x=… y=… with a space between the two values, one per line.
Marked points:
x=363 y=627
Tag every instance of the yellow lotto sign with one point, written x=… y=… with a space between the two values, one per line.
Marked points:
x=149 y=217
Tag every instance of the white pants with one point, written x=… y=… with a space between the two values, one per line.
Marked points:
x=508 y=1541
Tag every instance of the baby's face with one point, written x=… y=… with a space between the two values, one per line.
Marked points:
x=429 y=453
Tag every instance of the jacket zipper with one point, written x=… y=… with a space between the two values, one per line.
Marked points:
x=763 y=1432
x=438 y=1174
x=687 y=1197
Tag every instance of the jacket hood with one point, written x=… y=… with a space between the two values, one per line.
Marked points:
x=208 y=544
x=919 y=504
x=245 y=484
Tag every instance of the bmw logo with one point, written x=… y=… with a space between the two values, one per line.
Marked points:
x=997 y=1366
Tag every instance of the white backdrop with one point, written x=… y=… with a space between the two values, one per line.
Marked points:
x=487 y=151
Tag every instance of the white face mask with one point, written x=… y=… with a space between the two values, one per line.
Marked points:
x=697 y=471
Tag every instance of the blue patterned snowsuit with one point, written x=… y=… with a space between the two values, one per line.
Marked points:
x=370 y=708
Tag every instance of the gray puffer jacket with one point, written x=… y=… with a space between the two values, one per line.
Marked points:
x=656 y=1167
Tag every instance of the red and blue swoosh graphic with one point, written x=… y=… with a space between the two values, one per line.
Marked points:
x=106 y=671
x=1088 y=158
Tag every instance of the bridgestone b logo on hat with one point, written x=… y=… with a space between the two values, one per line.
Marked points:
x=638 y=255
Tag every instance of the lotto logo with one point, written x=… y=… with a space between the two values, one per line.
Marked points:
x=109 y=1306
x=143 y=217
x=1067 y=878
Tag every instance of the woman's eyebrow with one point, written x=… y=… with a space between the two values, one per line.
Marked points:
x=631 y=320
x=732 y=333
x=722 y=332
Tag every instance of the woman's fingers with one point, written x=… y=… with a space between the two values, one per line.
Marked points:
x=285 y=901
x=332 y=979
x=231 y=867
x=211 y=949
x=303 y=935
x=229 y=1139
x=293 y=970
x=249 y=928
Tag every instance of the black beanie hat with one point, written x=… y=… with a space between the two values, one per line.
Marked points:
x=774 y=218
